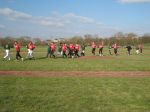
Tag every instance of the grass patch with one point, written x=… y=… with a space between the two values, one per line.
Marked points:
x=123 y=62
x=74 y=94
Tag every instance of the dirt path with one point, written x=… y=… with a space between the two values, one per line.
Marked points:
x=76 y=73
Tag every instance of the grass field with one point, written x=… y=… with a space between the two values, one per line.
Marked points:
x=73 y=94
x=106 y=63
x=76 y=94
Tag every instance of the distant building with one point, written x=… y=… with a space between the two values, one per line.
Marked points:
x=56 y=40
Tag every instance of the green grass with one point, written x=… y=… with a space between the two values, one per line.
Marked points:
x=114 y=63
x=74 y=94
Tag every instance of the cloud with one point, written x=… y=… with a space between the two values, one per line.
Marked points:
x=134 y=1
x=81 y=19
x=2 y=26
x=56 y=20
x=12 y=14
x=55 y=24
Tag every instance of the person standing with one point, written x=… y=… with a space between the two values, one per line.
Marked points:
x=93 y=48
x=101 y=46
x=7 y=51
x=18 y=46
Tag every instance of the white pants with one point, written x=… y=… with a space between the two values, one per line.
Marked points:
x=61 y=53
x=30 y=52
x=7 y=54
x=137 y=51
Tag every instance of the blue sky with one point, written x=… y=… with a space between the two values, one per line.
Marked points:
x=65 y=18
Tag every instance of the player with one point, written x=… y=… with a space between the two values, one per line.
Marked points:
x=129 y=48
x=7 y=51
x=115 y=46
x=141 y=46
x=137 y=50
x=64 y=49
x=18 y=46
x=53 y=49
x=110 y=49
x=77 y=49
x=71 y=50
x=59 y=49
x=93 y=48
x=30 y=48
x=83 y=50
x=48 y=50
x=101 y=46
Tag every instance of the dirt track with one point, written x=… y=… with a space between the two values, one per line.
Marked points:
x=76 y=73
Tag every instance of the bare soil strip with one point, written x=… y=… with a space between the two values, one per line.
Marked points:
x=77 y=73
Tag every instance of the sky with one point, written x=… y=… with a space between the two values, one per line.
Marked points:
x=67 y=18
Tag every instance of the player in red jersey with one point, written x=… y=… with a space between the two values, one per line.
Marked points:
x=93 y=48
x=17 y=46
x=141 y=46
x=30 y=48
x=115 y=46
x=101 y=46
x=77 y=49
x=64 y=49
x=71 y=50
x=53 y=49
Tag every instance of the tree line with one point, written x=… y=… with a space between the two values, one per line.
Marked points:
x=119 y=38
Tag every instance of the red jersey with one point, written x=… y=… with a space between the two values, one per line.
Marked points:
x=93 y=45
x=101 y=45
x=71 y=47
x=17 y=46
x=77 y=47
x=64 y=48
x=141 y=46
x=53 y=47
x=115 y=46
x=31 y=46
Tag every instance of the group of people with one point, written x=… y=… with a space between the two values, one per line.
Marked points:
x=30 y=47
x=67 y=50
x=115 y=46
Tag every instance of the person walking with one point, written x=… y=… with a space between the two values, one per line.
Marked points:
x=71 y=49
x=101 y=46
x=83 y=50
x=115 y=46
x=129 y=48
x=77 y=49
x=64 y=49
x=18 y=47
x=93 y=48
x=141 y=46
x=30 y=48
x=53 y=49
x=7 y=51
